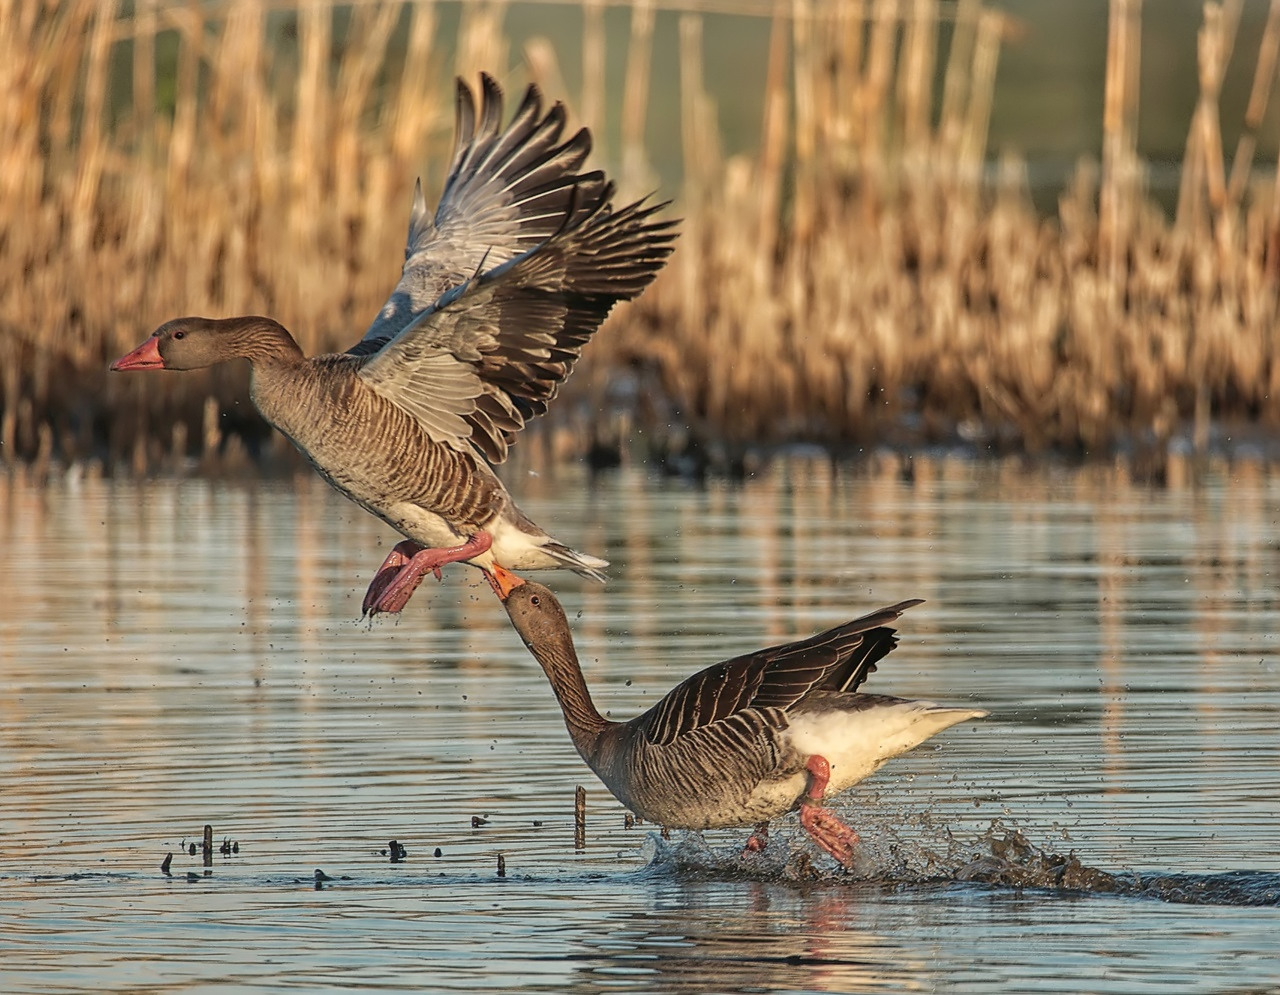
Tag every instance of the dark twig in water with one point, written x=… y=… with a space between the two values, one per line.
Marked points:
x=206 y=848
x=502 y=866
x=580 y=818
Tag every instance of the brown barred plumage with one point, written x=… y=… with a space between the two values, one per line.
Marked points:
x=735 y=744
x=501 y=289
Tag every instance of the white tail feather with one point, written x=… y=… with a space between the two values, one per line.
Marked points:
x=579 y=563
x=857 y=742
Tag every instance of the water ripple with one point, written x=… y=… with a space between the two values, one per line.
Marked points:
x=181 y=654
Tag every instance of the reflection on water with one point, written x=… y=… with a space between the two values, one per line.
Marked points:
x=181 y=653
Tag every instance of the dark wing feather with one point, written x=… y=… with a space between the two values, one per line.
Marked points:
x=492 y=352
x=507 y=191
x=838 y=659
x=567 y=293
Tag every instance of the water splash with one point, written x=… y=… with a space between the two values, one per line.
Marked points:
x=1000 y=857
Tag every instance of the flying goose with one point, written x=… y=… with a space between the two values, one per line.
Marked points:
x=500 y=291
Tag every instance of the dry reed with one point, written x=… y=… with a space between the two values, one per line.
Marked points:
x=856 y=278
x=896 y=297
x=274 y=178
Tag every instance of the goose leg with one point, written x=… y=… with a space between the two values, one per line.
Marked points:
x=827 y=831
x=401 y=554
x=395 y=591
x=758 y=840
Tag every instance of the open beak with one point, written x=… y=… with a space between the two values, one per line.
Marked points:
x=145 y=357
x=502 y=581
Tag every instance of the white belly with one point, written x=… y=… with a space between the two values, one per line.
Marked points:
x=420 y=525
x=512 y=547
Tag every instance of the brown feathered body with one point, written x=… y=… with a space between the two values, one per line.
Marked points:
x=729 y=746
x=523 y=259
x=379 y=456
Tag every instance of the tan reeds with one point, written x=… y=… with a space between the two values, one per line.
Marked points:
x=899 y=286
x=1263 y=79
x=269 y=178
x=591 y=105
x=855 y=279
x=637 y=178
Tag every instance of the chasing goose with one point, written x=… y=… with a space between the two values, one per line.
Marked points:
x=743 y=741
x=523 y=260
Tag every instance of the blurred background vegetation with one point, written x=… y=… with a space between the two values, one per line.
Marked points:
x=1025 y=226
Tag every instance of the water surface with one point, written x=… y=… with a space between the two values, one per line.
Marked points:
x=180 y=653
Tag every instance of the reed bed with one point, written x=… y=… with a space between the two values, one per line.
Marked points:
x=863 y=275
x=877 y=284
x=274 y=178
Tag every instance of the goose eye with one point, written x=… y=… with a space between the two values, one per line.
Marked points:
x=535 y=601
x=178 y=335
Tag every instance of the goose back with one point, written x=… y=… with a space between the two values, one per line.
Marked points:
x=839 y=659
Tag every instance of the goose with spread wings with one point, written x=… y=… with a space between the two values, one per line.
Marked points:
x=744 y=741
x=524 y=258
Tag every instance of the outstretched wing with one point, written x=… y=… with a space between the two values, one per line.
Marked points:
x=508 y=190
x=492 y=352
x=839 y=659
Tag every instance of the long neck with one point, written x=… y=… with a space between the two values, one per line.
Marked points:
x=585 y=723
x=261 y=341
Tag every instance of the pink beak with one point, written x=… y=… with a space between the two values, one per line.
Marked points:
x=145 y=357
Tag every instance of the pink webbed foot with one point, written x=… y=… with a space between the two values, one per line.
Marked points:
x=758 y=840
x=401 y=554
x=829 y=832
x=407 y=565
x=818 y=821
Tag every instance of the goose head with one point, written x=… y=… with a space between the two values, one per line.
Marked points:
x=193 y=343
x=535 y=612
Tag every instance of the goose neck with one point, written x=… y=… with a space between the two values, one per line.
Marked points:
x=583 y=719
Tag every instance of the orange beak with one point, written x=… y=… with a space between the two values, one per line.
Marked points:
x=502 y=581
x=145 y=357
